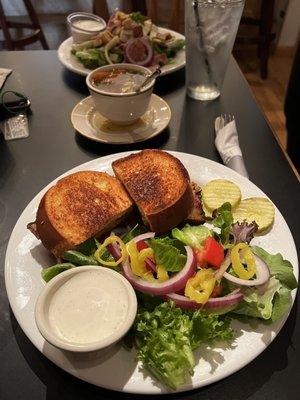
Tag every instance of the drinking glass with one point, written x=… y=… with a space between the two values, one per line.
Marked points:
x=210 y=27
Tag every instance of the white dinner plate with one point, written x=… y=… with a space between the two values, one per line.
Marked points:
x=117 y=368
x=92 y=125
x=71 y=62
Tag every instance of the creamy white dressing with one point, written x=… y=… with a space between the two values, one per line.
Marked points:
x=88 y=25
x=88 y=307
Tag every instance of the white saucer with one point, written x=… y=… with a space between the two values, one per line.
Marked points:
x=91 y=124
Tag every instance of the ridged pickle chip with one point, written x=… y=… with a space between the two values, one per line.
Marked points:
x=207 y=212
x=218 y=192
x=258 y=209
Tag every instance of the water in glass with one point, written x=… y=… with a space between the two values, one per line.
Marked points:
x=211 y=27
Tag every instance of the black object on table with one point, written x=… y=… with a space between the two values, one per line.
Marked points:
x=52 y=148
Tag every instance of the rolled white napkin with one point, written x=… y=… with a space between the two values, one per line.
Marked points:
x=227 y=144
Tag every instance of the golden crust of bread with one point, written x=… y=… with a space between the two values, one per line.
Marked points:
x=79 y=206
x=160 y=186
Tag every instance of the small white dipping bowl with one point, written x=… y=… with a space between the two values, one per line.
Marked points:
x=89 y=316
x=121 y=108
x=84 y=26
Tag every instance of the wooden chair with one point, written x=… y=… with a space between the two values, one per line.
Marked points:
x=35 y=27
x=265 y=36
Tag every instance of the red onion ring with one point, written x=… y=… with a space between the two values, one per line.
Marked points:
x=144 y=236
x=224 y=266
x=262 y=273
x=150 y=264
x=148 y=47
x=215 y=303
x=173 y=284
x=114 y=250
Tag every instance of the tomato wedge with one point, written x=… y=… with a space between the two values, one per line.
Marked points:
x=212 y=253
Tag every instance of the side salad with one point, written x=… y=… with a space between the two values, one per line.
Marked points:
x=130 y=38
x=190 y=284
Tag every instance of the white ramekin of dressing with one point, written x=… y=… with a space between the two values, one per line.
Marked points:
x=86 y=309
x=83 y=26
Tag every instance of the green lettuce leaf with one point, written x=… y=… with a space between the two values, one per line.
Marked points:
x=272 y=303
x=223 y=220
x=147 y=302
x=166 y=254
x=51 y=272
x=75 y=257
x=173 y=242
x=88 y=247
x=280 y=268
x=138 y=17
x=165 y=348
x=209 y=328
x=167 y=336
x=193 y=236
x=281 y=304
x=91 y=58
x=258 y=303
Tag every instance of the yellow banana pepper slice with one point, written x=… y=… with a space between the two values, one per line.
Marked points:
x=240 y=253
x=101 y=249
x=162 y=273
x=200 y=287
x=137 y=261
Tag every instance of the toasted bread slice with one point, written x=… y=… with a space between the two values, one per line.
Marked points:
x=159 y=185
x=79 y=206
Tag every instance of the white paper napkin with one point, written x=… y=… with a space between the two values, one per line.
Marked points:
x=227 y=144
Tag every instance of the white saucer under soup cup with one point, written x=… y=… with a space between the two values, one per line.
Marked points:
x=121 y=108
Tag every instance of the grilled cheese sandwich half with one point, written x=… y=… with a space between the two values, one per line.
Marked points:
x=160 y=186
x=80 y=206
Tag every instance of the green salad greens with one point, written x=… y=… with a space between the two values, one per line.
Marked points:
x=271 y=301
x=169 y=253
x=280 y=268
x=193 y=236
x=223 y=220
x=128 y=38
x=165 y=333
x=168 y=335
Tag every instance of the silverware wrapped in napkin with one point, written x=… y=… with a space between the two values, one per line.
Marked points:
x=227 y=144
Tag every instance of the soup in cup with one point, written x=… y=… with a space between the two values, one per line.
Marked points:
x=113 y=89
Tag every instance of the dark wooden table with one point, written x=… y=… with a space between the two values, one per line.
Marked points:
x=27 y=165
